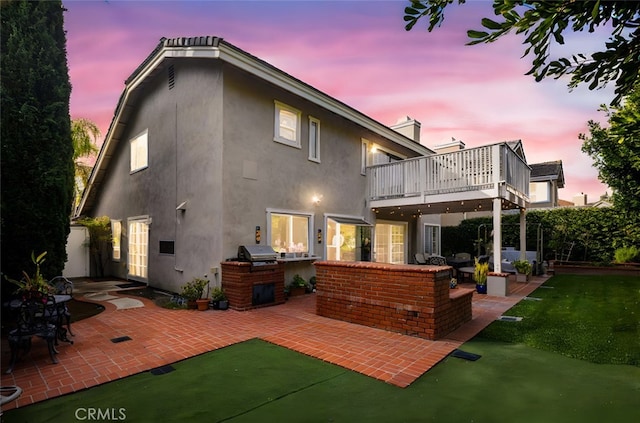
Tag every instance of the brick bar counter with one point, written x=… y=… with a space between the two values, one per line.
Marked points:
x=248 y=286
x=409 y=299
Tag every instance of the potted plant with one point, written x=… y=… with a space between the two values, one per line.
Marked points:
x=298 y=286
x=193 y=292
x=35 y=285
x=219 y=299
x=481 y=270
x=524 y=268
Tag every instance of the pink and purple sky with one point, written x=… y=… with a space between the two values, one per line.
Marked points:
x=359 y=53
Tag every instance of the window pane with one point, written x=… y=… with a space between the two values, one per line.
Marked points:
x=314 y=139
x=290 y=233
x=139 y=152
x=116 y=232
x=288 y=125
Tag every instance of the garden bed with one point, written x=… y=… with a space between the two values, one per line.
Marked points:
x=591 y=268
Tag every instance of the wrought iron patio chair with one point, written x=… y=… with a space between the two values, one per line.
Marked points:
x=33 y=319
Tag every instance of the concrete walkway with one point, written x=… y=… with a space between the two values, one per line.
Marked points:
x=160 y=336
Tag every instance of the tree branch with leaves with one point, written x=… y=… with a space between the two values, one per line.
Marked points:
x=544 y=22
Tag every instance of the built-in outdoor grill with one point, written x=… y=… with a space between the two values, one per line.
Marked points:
x=255 y=279
x=258 y=255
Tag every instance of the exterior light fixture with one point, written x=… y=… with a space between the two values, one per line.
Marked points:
x=319 y=236
x=258 y=234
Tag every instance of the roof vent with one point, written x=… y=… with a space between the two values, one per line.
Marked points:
x=171 y=73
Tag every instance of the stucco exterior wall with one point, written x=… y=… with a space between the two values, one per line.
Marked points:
x=211 y=145
x=185 y=164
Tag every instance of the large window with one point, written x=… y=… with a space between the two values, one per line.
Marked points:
x=314 y=139
x=290 y=232
x=138 y=248
x=139 y=152
x=432 y=239
x=391 y=242
x=287 y=125
x=116 y=234
x=540 y=192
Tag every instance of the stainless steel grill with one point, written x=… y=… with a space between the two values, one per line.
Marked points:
x=257 y=254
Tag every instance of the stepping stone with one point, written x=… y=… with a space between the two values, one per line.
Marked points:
x=99 y=296
x=509 y=318
x=125 y=303
x=532 y=298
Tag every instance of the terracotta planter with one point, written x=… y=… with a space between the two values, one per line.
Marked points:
x=294 y=291
x=202 y=304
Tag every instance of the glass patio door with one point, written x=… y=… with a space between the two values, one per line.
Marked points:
x=138 y=249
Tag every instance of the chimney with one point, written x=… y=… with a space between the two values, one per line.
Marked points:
x=449 y=147
x=580 y=199
x=408 y=127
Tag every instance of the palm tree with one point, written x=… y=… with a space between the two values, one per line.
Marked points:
x=84 y=134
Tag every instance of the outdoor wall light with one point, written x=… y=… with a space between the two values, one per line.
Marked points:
x=319 y=236
x=316 y=199
x=258 y=235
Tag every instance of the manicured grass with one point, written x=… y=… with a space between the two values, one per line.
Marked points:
x=259 y=382
x=592 y=318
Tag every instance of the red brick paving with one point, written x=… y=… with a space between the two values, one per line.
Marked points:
x=161 y=336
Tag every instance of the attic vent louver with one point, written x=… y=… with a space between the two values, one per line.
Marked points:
x=171 y=76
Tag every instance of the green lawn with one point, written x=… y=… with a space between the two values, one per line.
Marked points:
x=259 y=382
x=592 y=318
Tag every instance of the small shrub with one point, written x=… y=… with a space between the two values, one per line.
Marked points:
x=298 y=281
x=627 y=254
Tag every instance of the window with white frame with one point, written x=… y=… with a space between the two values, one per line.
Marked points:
x=287 y=125
x=540 y=192
x=139 y=152
x=138 y=248
x=290 y=232
x=314 y=139
x=364 y=147
x=432 y=239
x=116 y=235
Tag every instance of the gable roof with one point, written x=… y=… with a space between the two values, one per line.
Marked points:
x=548 y=171
x=215 y=48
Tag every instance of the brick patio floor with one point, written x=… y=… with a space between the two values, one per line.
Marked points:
x=160 y=336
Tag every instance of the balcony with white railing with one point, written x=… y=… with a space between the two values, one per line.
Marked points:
x=493 y=171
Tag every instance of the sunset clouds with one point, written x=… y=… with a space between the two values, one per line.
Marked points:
x=359 y=53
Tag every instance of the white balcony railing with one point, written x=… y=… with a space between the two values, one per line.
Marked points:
x=472 y=169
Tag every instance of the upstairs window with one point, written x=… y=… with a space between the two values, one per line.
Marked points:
x=287 y=125
x=139 y=152
x=314 y=139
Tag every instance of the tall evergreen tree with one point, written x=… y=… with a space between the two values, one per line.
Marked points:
x=37 y=152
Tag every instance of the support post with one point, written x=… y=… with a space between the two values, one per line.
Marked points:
x=497 y=235
x=523 y=234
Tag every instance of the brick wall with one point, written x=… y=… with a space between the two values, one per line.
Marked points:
x=239 y=278
x=409 y=299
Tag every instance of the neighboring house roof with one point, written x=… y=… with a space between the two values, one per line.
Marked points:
x=548 y=171
x=565 y=203
x=516 y=145
x=216 y=48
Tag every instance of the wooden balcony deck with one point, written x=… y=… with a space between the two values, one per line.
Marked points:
x=473 y=175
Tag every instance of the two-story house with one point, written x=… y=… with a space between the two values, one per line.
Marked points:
x=211 y=148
